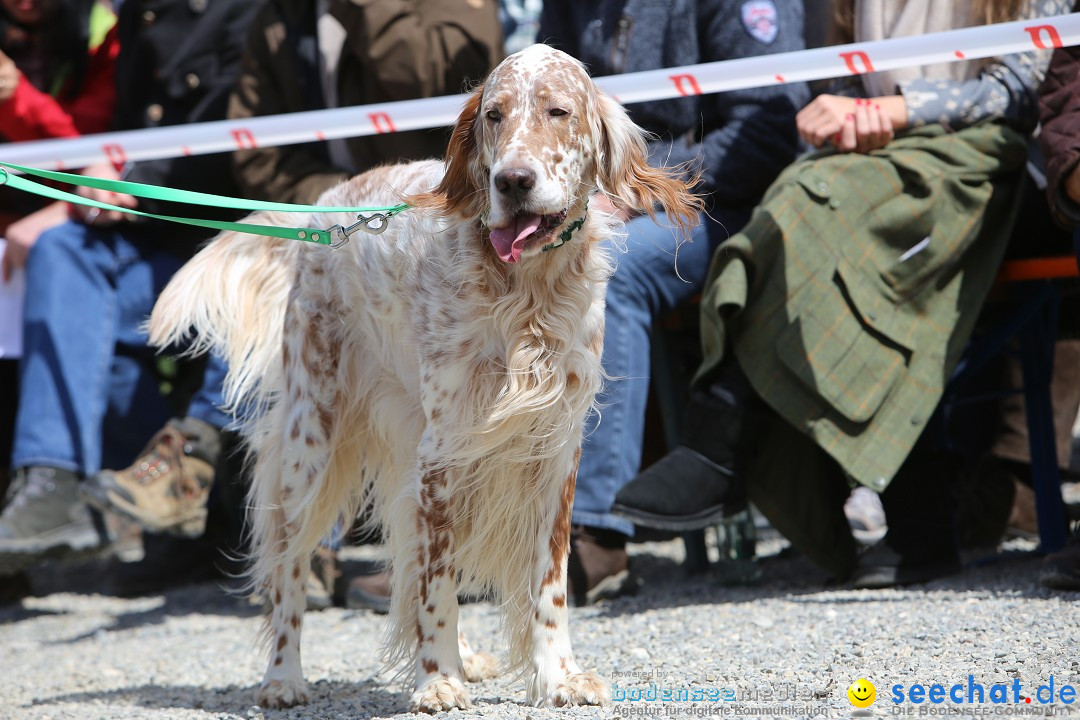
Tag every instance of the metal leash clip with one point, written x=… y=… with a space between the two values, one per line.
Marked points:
x=373 y=225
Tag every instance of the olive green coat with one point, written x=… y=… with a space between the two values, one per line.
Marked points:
x=848 y=300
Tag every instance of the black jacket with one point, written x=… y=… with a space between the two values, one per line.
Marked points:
x=740 y=140
x=178 y=62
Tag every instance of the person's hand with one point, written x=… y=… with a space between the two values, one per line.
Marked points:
x=22 y=234
x=603 y=203
x=9 y=77
x=821 y=120
x=868 y=128
x=94 y=216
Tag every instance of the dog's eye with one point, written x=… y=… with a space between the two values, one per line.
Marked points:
x=557 y=112
x=494 y=115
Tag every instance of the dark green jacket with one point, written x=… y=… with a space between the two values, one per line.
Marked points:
x=848 y=300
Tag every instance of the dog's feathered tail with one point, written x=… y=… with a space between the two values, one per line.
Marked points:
x=230 y=299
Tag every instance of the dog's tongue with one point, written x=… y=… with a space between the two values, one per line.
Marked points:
x=509 y=241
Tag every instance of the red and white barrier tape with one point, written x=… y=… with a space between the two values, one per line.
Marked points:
x=804 y=65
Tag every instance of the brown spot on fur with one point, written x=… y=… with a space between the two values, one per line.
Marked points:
x=296 y=571
x=559 y=545
x=550 y=625
x=295 y=621
x=559 y=601
x=436 y=521
x=430 y=666
x=430 y=609
x=277 y=660
x=294 y=432
x=326 y=421
x=309 y=441
x=277 y=597
x=441 y=624
x=282 y=641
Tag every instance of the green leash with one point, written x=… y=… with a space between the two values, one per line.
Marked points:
x=334 y=236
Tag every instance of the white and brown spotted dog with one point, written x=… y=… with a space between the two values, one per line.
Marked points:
x=440 y=372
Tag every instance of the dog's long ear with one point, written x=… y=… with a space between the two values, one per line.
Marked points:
x=625 y=174
x=461 y=191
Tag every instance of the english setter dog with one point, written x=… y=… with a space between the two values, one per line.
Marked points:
x=439 y=374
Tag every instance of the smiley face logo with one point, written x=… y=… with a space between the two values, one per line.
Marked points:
x=862 y=693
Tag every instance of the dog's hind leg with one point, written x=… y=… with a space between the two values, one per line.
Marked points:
x=294 y=500
x=283 y=684
x=440 y=673
x=557 y=680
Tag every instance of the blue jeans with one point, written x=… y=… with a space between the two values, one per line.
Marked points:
x=648 y=281
x=207 y=401
x=88 y=394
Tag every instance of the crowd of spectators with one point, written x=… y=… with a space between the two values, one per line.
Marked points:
x=852 y=236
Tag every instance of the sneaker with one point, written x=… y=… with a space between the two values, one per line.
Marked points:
x=598 y=567
x=865 y=515
x=1061 y=571
x=883 y=567
x=167 y=488
x=371 y=592
x=323 y=583
x=44 y=518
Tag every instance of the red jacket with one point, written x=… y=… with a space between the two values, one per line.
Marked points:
x=31 y=114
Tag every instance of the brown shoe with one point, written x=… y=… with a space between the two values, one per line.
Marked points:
x=167 y=487
x=323 y=584
x=598 y=567
x=370 y=591
x=1023 y=519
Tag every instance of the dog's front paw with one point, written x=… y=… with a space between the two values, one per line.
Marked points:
x=480 y=666
x=583 y=688
x=276 y=694
x=439 y=694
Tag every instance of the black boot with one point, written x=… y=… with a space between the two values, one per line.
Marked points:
x=697 y=484
x=921 y=544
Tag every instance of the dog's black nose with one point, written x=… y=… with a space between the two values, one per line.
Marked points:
x=515 y=181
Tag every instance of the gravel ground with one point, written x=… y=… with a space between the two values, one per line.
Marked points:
x=73 y=651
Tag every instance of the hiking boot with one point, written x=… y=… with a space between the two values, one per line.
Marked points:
x=166 y=489
x=1061 y=571
x=598 y=567
x=883 y=567
x=44 y=518
x=323 y=584
x=370 y=591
